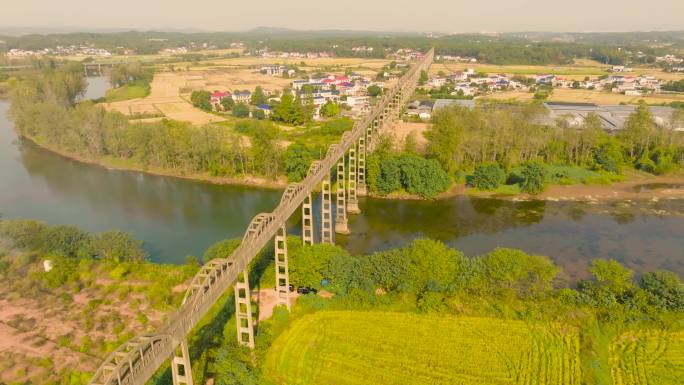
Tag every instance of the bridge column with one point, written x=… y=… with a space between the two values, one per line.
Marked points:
x=361 y=187
x=281 y=267
x=341 y=209
x=307 y=221
x=326 y=211
x=369 y=137
x=352 y=202
x=180 y=366
x=243 y=311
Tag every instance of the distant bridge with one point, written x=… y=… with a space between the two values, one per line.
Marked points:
x=136 y=361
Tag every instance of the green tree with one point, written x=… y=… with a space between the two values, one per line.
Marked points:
x=611 y=274
x=665 y=290
x=308 y=107
x=533 y=178
x=283 y=111
x=201 y=100
x=241 y=110
x=639 y=132
x=117 y=246
x=258 y=96
x=330 y=109
x=488 y=177
x=505 y=271
x=374 y=90
x=423 y=78
x=227 y=103
x=297 y=160
x=298 y=114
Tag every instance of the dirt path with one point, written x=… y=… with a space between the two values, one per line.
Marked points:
x=266 y=301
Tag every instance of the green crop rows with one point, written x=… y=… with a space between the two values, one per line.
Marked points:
x=340 y=348
x=655 y=358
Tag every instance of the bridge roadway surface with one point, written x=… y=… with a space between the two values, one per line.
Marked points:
x=136 y=361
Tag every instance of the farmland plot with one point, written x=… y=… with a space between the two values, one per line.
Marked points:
x=648 y=358
x=343 y=348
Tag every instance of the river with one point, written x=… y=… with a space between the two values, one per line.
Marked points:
x=177 y=217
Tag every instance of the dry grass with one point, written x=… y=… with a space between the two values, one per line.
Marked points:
x=170 y=91
x=165 y=97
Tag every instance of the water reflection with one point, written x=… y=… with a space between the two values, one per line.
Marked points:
x=178 y=217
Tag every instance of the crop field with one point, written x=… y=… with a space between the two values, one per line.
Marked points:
x=346 y=348
x=648 y=358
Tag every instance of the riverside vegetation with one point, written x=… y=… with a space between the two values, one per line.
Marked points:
x=548 y=331
x=500 y=147
x=45 y=109
x=100 y=291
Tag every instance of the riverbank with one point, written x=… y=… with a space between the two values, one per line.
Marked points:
x=114 y=164
x=638 y=185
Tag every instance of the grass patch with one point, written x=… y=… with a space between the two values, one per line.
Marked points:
x=380 y=348
x=654 y=357
x=134 y=90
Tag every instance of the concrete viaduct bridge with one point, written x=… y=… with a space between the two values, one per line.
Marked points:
x=134 y=362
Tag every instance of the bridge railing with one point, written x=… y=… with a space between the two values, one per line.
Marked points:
x=134 y=362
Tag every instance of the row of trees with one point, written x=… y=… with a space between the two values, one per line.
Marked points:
x=123 y=74
x=43 y=107
x=70 y=242
x=462 y=139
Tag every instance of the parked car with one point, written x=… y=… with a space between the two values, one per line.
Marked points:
x=306 y=290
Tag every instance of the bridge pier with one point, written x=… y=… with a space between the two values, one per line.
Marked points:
x=243 y=310
x=180 y=366
x=307 y=221
x=326 y=211
x=281 y=267
x=361 y=186
x=352 y=201
x=341 y=226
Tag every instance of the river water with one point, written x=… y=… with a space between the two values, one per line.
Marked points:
x=177 y=217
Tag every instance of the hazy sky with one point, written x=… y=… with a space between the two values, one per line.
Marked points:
x=396 y=15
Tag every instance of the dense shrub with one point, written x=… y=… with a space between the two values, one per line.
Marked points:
x=297 y=159
x=533 y=178
x=488 y=177
x=412 y=173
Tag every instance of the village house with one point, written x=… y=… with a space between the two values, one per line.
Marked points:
x=273 y=70
x=265 y=108
x=353 y=101
x=464 y=88
x=218 y=96
x=621 y=69
x=458 y=76
x=242 y=96
x=437 y=82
